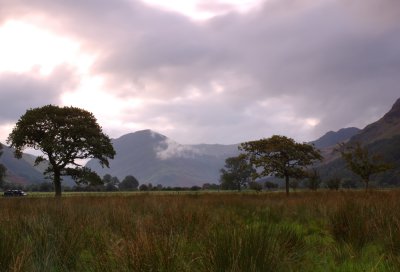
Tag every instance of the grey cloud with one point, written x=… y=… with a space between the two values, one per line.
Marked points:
x=19 y=92
x=331 y=60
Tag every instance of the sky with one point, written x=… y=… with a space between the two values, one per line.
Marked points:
x=202 y=71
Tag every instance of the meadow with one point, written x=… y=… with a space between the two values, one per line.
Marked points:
x=307 y=231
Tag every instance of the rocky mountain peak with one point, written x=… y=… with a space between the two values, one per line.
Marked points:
x=394 y=113
x=385 y=128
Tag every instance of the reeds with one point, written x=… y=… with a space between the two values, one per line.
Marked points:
x=322 y=231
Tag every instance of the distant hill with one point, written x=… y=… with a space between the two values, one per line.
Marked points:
x=385 y=128
x=20 y=171
x=381 y=137
x=332 y=138
x=154 y=158
x=23 y=171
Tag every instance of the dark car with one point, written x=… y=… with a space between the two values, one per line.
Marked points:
x=15 y=193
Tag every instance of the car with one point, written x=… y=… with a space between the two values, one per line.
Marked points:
x=9 y=193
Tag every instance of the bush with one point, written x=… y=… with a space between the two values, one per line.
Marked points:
x=253 y=185
x=333 y=183
x=270 y=185
x=313 y=181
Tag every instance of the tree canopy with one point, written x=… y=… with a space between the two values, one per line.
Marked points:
x=359 y=160
x=280 y=156
x=237 y=172
x=63 y=135
x=129 y=183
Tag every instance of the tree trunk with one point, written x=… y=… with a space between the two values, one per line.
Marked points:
x=287 y=185
x=57 y=182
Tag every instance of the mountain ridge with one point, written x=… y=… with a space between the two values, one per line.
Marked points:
x=154 y=158
x=381 y=137
x=332 y=138
x=385 y=128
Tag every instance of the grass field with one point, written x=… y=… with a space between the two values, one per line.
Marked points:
x=322 y=231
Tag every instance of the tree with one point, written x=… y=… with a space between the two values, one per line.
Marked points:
x=129 y=183
x=63 y=135
x=237 y=174
x=313 y=179
x=334 y=183
x=254 y=185
x=270 y=185
x=110 y=183
x=359 y=160
x=280 y=156
x=349 y=184
x=3 y=169
x=294 y=184
x=143 y=187
x=107 y=178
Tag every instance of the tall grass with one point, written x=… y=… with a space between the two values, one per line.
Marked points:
x=321 y=231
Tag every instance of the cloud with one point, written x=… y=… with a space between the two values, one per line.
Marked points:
x=238 y=76
x=20 y=92
x=171 y=149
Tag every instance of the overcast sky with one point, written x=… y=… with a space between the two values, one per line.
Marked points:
x=203 y=71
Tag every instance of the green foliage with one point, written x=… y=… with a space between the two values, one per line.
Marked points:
x=333 y=183
x=129 y=183
x=210 y=186
x=256 y=186
x=83 y=175
x=280 y=156
x=270 y=185
x=237 y=173
x=110 y=183
x=349 y=184
x=63 y=134
x=294 y=184
x=313 y=179
x=361 y=162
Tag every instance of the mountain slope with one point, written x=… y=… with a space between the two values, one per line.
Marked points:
x=381 y=137
x=20 y=170
x=152 y=157
x=332 y=138
x=385 y=128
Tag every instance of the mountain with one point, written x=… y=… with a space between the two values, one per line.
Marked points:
x=385 y=128
x=332 y=138
x=381 y=137
x=20 y=171
x=154 y=158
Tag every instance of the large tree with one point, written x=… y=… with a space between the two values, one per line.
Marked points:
x=361 y=162
x=281 y=156
x=237 y=172
x=64 y=135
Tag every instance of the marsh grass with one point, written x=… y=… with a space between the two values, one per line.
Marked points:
x=322 y=231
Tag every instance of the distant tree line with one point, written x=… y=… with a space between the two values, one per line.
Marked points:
x=263 y=165
x=295 y=163
x=109 y=184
